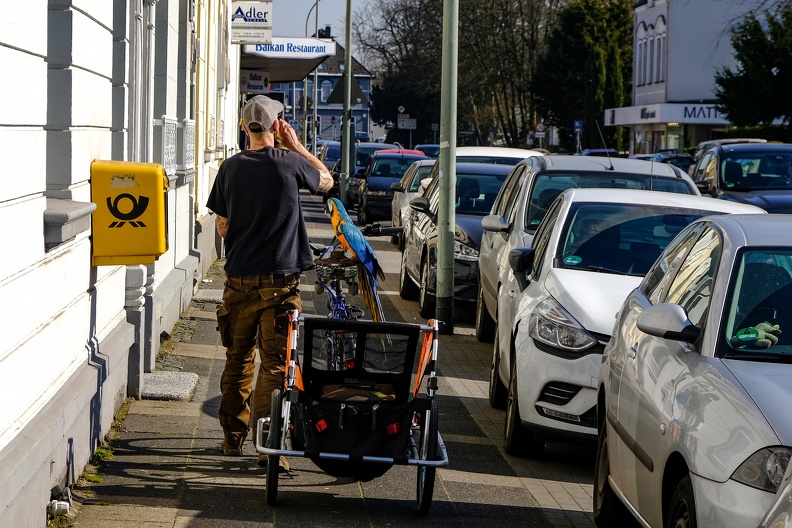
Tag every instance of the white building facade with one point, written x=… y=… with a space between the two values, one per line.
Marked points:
x=134 y=80
x=678 y=47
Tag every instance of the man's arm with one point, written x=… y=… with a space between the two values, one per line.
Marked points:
x=222 y=225
x=288 y=138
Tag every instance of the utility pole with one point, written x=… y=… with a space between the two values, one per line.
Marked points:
x=347 y=141
x=446 y=217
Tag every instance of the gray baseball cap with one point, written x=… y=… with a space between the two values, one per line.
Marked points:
x=260 y=113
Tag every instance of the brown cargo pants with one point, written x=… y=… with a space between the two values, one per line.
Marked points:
x=246 y=319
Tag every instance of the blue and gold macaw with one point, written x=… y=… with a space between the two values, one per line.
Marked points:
x=352 y=240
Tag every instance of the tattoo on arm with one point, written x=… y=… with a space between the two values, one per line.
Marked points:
x=222 y=225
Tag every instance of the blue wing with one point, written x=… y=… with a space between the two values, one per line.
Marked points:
x=361 y=248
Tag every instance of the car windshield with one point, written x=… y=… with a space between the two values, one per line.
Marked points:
x=549 y=184
x=333 y=152
x=620 y=238
x=430 y=150
x=750 y=171
x=475 y=193
x=390 y=167
x=683 y=162
x=759 y=314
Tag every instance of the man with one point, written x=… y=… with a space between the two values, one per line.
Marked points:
x=256 y=199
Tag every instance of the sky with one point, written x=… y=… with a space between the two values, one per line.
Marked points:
x=289 y=16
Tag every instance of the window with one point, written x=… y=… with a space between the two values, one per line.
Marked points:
x=327 y=87
x=692 y=288
x=661 y=273
x=510 y=193
x=659 y=60
x=650 y=79
x=542 y=239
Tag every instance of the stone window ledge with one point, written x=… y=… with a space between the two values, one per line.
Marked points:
x=65 y=219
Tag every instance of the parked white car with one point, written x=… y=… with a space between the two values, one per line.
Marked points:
x=530 y=188
x=696 y=383
x=590 y=251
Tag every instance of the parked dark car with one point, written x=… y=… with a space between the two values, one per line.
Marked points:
x=757 y=174
x=677 y=159
x=704 y=146
x=363 y=153
x=385 y=168
x=329 y=153
x=477 y=186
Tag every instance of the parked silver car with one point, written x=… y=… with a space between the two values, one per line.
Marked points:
x=695 y=386
x=405 y=190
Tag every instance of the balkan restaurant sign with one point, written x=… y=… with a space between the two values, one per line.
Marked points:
x=251 y=22
x=256 y=82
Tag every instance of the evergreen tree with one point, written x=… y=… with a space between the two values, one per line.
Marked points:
x=759 y=89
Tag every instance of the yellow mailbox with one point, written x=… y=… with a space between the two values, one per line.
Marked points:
x=130 y=222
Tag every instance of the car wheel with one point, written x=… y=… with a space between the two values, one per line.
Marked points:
x=497 y=390
x=682 y=510
x=426 y=304
x=608 y=509
x=485 y=325
x=407 y=288
x=517 y=440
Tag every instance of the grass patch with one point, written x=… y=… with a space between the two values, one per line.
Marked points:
x=90 y=477
x=61 y=521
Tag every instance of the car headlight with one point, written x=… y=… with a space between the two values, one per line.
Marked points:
x=551 y=324
x=465 y=252
x=764 y=469
x=376 y=193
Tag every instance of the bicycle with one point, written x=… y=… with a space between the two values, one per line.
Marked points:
x=333 y=268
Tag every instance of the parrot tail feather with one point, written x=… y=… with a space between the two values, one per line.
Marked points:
x=368 y=293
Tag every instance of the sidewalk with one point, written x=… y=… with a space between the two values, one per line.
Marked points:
x=166 y=469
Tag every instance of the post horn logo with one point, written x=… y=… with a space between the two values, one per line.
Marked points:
x=138 y=208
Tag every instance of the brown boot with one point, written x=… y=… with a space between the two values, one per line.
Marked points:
x=232 y=444
x=283 y=463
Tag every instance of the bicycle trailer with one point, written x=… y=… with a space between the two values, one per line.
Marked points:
x=358 y=409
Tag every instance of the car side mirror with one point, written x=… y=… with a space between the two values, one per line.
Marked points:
x=495 y=223
x=668 y=321
x=397 y=186
x=421 y=205
x=703 y=186
x=361 y=173
x=521 y=261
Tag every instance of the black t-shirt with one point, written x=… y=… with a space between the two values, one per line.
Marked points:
x=258 y=191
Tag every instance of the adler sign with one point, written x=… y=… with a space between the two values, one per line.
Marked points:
x=251 y=22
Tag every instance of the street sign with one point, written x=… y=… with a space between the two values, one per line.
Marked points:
x=408 y=124
x=401 y=109
x=578 y=126
x=435 y=127
x=251 y=22
x=402 y=116
x=540 y=130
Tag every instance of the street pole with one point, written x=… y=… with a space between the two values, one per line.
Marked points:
x=346 y=139
x=305 y=85
x=446 y=218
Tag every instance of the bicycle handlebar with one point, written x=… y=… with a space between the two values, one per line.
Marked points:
x=377 y=230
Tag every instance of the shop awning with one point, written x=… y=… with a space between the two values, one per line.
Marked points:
x=287 y=59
